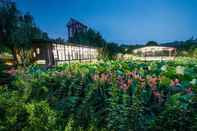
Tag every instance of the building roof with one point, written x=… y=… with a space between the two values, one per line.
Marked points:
x=154 y=48
x=41 y=41
x=74 y=21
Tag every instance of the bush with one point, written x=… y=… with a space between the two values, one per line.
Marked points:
x=103 y=96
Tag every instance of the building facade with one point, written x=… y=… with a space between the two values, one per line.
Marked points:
x=51 y=53
x=150 y=53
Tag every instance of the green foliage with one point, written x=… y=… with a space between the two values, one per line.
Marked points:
x=41 y=117
x=17 y=31
x=184 y=48
x=111 y=95
x=112 y=50
x=152 y=43
x=175 y=119
x=91 y=38
x=195 y=53
x=3 y=75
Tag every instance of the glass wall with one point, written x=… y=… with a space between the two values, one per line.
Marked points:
x=71 y=52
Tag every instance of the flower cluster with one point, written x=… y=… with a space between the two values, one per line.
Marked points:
x=11 y=72
x=175 y=83
x=102 y=77
x=180 y=70
x=123 y=83
x=135 y=75
x=153 y=82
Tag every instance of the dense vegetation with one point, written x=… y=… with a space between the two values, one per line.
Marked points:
x=185 y=48
x=102 y=96
x=17 y=30
x=109 y=95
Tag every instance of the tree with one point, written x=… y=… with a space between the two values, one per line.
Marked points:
x=195 y=53
x=17 y=31
x=91 y=38
x=60 y=40
x=112 y=50
x=152 y=43
x=9 y=16
x=4 y=77
x=95 y=39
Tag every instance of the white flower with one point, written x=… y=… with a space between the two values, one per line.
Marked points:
x=193 y=82
x=180 y=70
x=148 y=77
x=149 y=68
x=164 y=68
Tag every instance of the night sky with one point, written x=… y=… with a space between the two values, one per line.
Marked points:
x=122 y=21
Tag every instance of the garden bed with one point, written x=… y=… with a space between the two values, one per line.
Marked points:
x=111 y=95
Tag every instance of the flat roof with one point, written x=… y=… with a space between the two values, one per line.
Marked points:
x=40 y=41
x=154 y=48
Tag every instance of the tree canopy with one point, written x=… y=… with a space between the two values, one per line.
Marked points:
x=17 y=30
x=90 y=37
x=95 y=39
x=152 y=43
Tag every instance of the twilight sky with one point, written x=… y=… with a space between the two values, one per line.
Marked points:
x=122 y=21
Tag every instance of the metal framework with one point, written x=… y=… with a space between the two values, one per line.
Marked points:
x=155 y=53
x=75 y=26
x=64 y=53
x=52 y=53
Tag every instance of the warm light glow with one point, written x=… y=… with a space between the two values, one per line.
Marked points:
x=155 y=53
x=42 y=62
x=37 y=50
x=71 y=52
x=153 y=48
x=34 y=54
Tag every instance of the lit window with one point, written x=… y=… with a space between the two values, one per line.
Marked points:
x=34 y=54
x=38 y=50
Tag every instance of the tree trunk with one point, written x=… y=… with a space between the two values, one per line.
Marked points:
x=15 y=61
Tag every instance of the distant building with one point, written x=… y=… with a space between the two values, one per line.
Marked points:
x=52 y=53
x=149 y=53
x=75 y=26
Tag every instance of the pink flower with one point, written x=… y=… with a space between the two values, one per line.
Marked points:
x=156 y=94
x=124 y=87
x=130 y=74
x=95 y=77
x=12 y=72
x=153 y=82
x=189 y=90
x=174 y=82
x=129 y=82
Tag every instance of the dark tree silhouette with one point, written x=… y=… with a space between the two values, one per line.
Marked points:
x=17 y=30
x=152 y=43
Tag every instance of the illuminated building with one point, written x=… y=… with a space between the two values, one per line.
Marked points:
x=155 y=53
x=52 y=53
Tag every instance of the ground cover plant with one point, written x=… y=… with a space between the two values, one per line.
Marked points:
x=110 y=95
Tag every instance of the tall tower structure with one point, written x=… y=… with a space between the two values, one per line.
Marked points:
x=74 y=26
